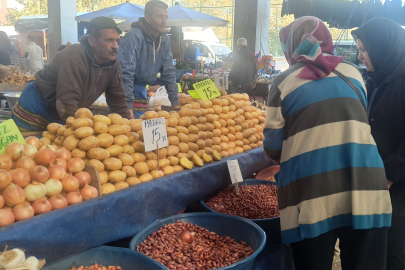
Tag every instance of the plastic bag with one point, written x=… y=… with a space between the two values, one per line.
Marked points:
x=101 y=101
x=161 y=98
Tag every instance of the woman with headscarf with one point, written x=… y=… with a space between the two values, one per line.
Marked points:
x=381 y=44
x=332 y=181
x=6 y=49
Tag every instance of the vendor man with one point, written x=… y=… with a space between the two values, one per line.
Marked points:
x=144 y=52
x=75 y=78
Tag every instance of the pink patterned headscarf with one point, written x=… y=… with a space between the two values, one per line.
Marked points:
x=308 y=40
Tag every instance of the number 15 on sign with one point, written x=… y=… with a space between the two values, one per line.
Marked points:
x=154 y=134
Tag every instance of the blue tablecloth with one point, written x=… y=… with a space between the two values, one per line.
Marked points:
x=123 y=213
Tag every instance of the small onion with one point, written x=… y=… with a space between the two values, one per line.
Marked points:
x=33 y=141
x=15 y=150
x=13 y=195
x=35 y=191
x=63 y=153
x=13 y=165
x=53 y=187
x=21 y=177
x=31 y=263
x=45 y=156
x=58 y=202
x=56 y=172
x=70 y=183
x=186 y=237
x=89 y=192
x=6 y=217
x=39 y=174
x=23 y=211
x=74 y=197
x=84 y=178
x=11 y=259
x=5 y=162
x=42 y=206
x=61 y=162
x=30 y=151
x=5 y=178
x=1 y=201
x=25 y=163
x=76 y=165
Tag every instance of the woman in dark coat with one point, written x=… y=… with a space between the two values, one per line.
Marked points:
x=381 y=44
x=6 y=49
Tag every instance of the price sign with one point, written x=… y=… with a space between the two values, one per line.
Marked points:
x=9 y=133
x=194 y=94
x=207 y=89
x=179 y=86
x=154 y=134
x=235 y=173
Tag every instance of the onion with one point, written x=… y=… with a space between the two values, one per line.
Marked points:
x=5 y=162
x=70 y=183
x=30 y=151
x=1 y=201
x=13 y=195
x=33 y=141
x=25 y=163
x=186 y=237
x=39 y=174
x=45 y=156
x=6 y=217
x=84 y=178
x=31 y=263
x=15 y=150
x=23 y=211
x=21 y=177
x=7 y=208
x=35 y=191
x=5 y=179
x=13 y=166
x=74 y=197
x=56 y=172
x=89 y=192
x=76 y=165
x=58 y=202
x=42 y=206
x=12 y=258
x=63 y=153
x=53 y=187
x=61 y=162
x=53 y=147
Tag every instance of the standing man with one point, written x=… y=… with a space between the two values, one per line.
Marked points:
x=243 y=73
x=35 y=54
x=144 y=52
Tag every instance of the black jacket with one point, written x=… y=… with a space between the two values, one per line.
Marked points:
x=244 y=68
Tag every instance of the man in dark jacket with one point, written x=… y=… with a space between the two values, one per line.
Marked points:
x=75 y=78
x=144 y=52
x=243 y=74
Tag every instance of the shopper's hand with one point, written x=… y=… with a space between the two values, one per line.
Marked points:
x=389 y=183
x=131 y=114
x=178 y=106
x=254 y=85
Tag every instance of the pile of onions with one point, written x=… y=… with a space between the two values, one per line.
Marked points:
x=33 y=141
x=5 y=178
x=74 y=197
x=35 y=191
x=6 y=217
x=56 y=172
x=61 y=162
x=70 y=183
x=39 y=174
x=88 y=192
x=5 y=162
x=42 y=206
x=13 y=195
x=25 y=163
x=45 y=156
x=23 y=211
x=63 y=153
x=58 y=202
x=53 y=187
x=21 y=177
x=30 y=151
x=84 y=178
x=15 y=150
x=76 y=165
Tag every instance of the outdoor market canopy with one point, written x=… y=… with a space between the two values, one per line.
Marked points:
x=126 y=11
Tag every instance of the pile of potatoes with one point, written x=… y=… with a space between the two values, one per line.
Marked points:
x=201 y=132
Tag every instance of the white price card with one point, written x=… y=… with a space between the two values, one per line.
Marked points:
x=234 y=171
x=154 y=133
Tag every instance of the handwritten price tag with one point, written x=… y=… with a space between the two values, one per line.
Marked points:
x=154 y=132
x=9 y=133
x=234 y=171
x=207 y=89
x=194 y=94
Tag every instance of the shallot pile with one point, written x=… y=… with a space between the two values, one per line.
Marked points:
x=96 y=266
x=15 y=260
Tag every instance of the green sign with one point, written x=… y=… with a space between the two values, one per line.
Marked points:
x=194 y=94
x=9 y=133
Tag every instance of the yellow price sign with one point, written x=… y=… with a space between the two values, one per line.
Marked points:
x=207 y=89
x=9 y=133
x=179 y=86
x=194 y=94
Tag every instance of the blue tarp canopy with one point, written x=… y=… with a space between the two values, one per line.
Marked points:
x=126 y=11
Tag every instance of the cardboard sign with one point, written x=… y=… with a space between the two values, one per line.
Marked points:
x=9 y=133
x=207 y=89
x=194 y=94
x=154 y=133
x=234 y=171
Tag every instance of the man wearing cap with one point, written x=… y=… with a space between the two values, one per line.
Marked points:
x=242 y=77
x=75 y=78
x=144 y=52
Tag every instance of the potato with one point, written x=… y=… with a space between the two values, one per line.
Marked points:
x=186 y=163
x=231 y=115
x=62 y=130
x=246 y=148
x=208 y=142
x=202 y=135
x=132 y=181
x=185 y=121
x=115 y=150
x=190 y=154
x=116 y=119
x=138 y=157
x=168 y=170
x=83 y=132
x=48 y=135
x=178 y=168
x=103 y=177
x=192 y=146
x=84 y=113
x=162 y=152
x=182 y=130
x=200 y=152
x=127 y=129
x=247 y=133
x=151 y=155
x=150 y=115
x=193 y=138
x=239 y=150
x=253 y=145
x=152 y=164
x=139 y=146
x=128 y=149
x=222 y=122
x=183 y=137
x=78 y=153
x=185 y=112
x=252 y=139
x=59 y=141
x=171 y=122
x=246 y=142
x=180 y=155
x=174 y=140
x=140 y=133
x=193 y=129
x=206 y=158
x=261 y=119
x=125 y=121
x=146 y=177
x=232 y=108
x=116 y=130
x=225 y=109
x=174 y=161
x=224 y=154
x=171 y=131
x=239 y=143
x=259 y=143
x=71 y=142
x=216 y=141
x=175 y=115
x=98 y=164
x=135 y=124
x=133 y=137
x=224 y=139
x=209 y=127
x=121 y=185
x=210 y=111
x=157 y=174
x=121 y=140
x=232 y=152
x=224 y=146
x=172 y=150
x=231 y=130
x=126 y=159
x=196 y=113
x=203 y=111
x=197 y=161
x=163 y=114
x=164 y=162
x=141 y=168
x=70 y=121
x=112 y=164
x=68 y=132
x=53 y=128
x=230 y=123
x=201 y=143
x=105 y=140
x=216 y=101
x=117 y=176
x=98 y=153
x=107 y=189
x=201 y=127
x=100 y=128
x=183 y=147
x=82 y=122
x=217 y=109
x=102 y=119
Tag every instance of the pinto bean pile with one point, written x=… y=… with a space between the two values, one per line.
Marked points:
x=253 y=202
x=96 y=267
x=206 y=251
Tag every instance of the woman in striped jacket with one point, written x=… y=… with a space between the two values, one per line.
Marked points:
x=332 y=182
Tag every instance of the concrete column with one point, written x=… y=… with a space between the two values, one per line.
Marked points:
x=252 y=21
x=62 y=25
